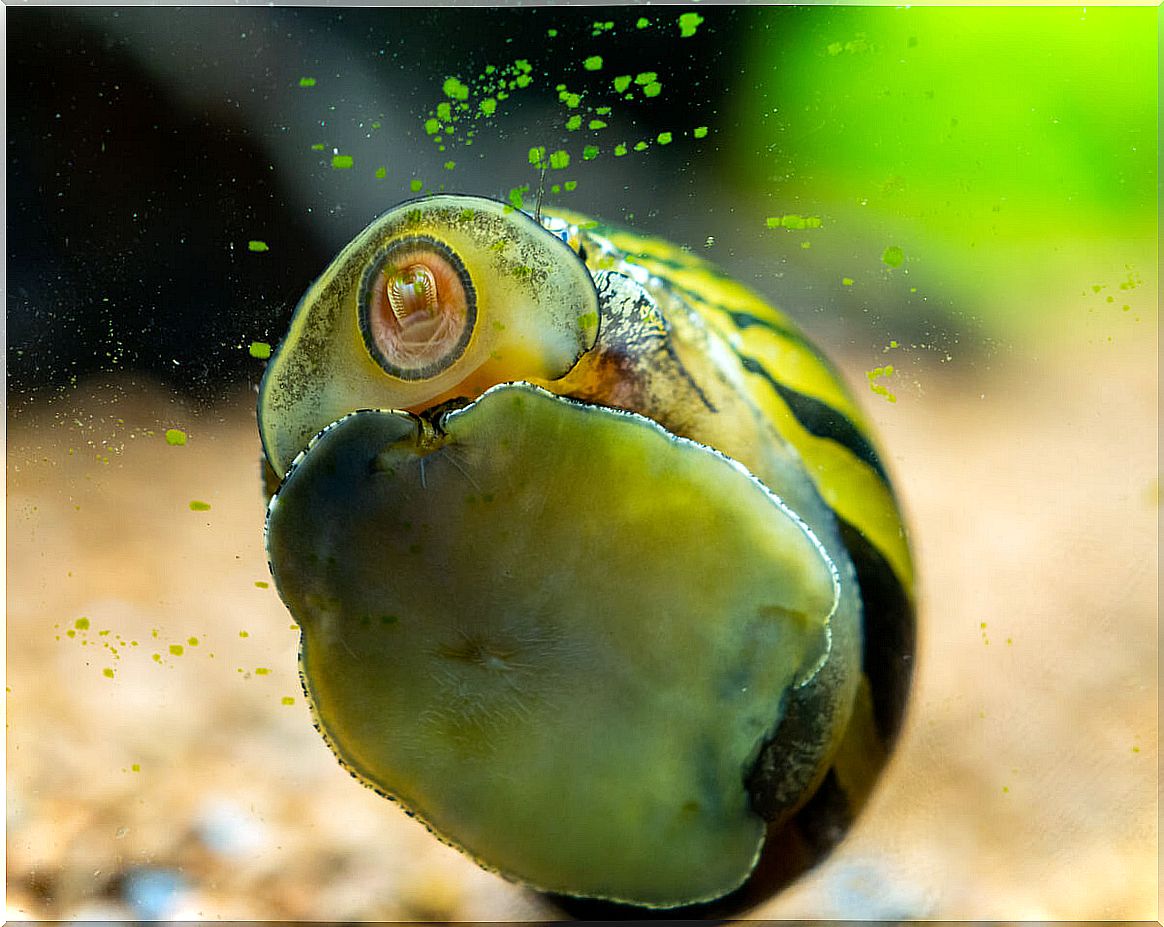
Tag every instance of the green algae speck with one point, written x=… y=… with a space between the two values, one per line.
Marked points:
x=700 y=132
x=893 y=256
x=559 y=160
x=192 y=641
x=846 y=281
x=260 y=349
x=455 y=90
x=259 y=584
x=595 y=124
x=664 y=138
x=619 y=150
x=307 y=82
x=621 y=83
x=590 y=152
x=653 y=89
x=107 y=672
x=415 y=185
x=196 y=505
x=256 y=245
x=177 y=649
x=573 y=123
x=288 y=700
x=642 y=22
x=175 y=437
x=136 y=767
x=262 y=671
x=381 y=173
x=341 y=162
x=688 y=23
x=593 y=63
x=882 y=390
x=82 y=624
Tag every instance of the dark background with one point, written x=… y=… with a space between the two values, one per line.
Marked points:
x=148 y=146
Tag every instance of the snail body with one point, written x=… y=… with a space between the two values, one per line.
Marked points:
x=598 y=571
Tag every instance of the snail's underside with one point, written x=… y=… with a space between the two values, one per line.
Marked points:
x=603 y=631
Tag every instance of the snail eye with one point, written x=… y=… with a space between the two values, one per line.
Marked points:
x=417 y=308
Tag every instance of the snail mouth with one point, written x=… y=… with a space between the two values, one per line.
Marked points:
x=513 y=623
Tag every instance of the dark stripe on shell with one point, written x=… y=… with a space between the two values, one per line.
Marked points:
x=819 y=418
x=890 y=631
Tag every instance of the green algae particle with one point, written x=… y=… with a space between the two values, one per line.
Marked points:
x=588 y=320
x=176 y=650
x=175 y=437
x=136 y=767
x=642 y=22
x=523 y=81
x=415 y=185
x=621 y=83
x=262 y=671
x=619 y=150
x=700 y=132
x=199 y=506
x=574 y=122
x=107 y=672
x=260 y=349
x=590 y=152
x=255 y=245
x=664 y=138
x=488 y=106
x=593 y=63
x=515 y=196
x=688 y=23
x=573 y=100
x=555 y=188
x=444 y=112
x=307 y=82
x=341 y=162
x=432 y=126
x=640 y=146
x=318 y=146
x=602 y=111
x=381 y=173
x=192 y=641
x=559 y=160
x=570 y=185
x=551 y=32
x=82 y=624
x=882 y=390
x=288 y=700
x=653 y=89
x=846 y=281
x=595 y=124
x=259 y=584
x=455 y=90
x=537 y=156
x=893 y=256
x=646 y=77
x=449 y=165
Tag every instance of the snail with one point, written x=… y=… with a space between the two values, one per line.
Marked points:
x=598 y=571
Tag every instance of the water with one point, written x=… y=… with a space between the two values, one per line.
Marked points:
x=983 y=182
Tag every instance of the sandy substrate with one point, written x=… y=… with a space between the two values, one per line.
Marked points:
x=161 y=761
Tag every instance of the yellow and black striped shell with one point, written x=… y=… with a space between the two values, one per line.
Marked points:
x=597 y=568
